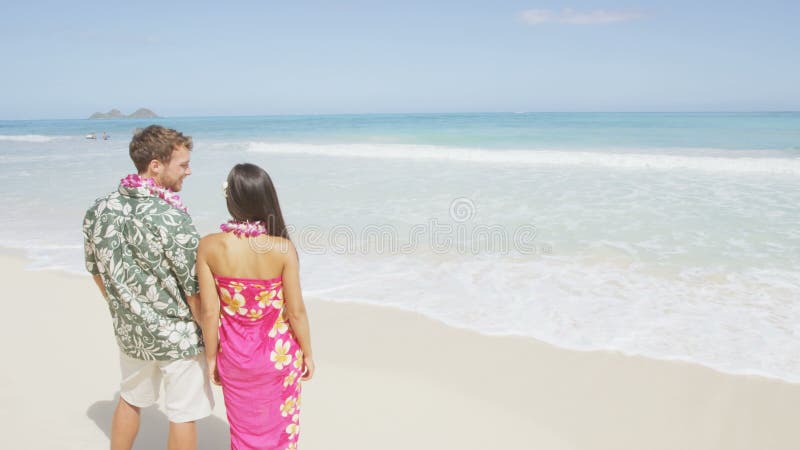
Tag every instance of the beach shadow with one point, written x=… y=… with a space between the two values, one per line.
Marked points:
x=212 y=432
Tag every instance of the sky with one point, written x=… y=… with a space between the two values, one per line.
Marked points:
x=70 y=59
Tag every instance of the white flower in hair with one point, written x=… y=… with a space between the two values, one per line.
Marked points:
x=225 y=189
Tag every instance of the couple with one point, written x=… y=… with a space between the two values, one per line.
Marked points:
x=241 y=286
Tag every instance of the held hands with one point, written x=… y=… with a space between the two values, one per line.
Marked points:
x=308 y=368
x=213 y=375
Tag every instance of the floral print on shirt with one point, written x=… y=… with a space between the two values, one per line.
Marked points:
x=144 y=250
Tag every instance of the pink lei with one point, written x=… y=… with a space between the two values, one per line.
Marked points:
x=248 y=229
x=135 y=181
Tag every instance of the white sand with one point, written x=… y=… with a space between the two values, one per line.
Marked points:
x=388 y=380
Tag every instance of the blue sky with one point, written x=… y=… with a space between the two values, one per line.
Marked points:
x=69 y=59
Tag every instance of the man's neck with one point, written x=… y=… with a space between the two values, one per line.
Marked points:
x=151 y=176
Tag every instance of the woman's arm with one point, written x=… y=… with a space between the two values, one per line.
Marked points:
x=209 y=309
x=296 y=309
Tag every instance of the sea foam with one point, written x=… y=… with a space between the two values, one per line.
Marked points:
x=31 y=138
x=655 y=160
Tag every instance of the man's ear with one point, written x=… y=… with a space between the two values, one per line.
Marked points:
x=155 y=167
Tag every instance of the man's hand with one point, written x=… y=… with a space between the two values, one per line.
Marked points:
x=99 y=282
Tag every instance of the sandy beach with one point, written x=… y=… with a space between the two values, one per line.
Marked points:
x=520 y=225
x=388 y=379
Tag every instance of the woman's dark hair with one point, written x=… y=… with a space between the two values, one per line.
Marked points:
x=251 y=197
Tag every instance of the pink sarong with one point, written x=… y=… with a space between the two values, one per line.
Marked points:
x=259 y=364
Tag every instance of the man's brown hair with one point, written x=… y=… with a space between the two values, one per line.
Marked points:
x=156 y=142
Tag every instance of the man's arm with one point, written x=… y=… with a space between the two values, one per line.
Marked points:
x=99 y=282
x=88 y=248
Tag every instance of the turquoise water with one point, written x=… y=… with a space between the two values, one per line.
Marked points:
x=666 y=235
x=730 y=131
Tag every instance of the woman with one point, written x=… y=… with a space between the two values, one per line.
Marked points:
x=253 y=318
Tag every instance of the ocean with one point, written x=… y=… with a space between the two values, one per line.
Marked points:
x=667 y=235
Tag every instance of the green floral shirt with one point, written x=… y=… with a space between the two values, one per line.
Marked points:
x=144 y=249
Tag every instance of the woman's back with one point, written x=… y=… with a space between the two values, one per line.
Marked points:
x=248 y=278
x=262 y=257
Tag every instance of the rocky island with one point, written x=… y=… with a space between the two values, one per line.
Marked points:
x=141 y=113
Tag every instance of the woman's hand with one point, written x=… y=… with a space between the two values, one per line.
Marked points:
x=213 y=375
x=308 y=368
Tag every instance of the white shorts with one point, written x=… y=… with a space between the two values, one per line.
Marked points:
x=186 y=389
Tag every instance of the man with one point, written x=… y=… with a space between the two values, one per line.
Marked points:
x=141 y=248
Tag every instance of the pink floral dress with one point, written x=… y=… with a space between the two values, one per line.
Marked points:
x=259 y=364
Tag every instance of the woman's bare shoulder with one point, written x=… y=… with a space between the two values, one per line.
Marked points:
x=282 y=245
x=211 y=241
x=274 y=247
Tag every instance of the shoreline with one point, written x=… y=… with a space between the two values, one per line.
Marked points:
x=393 y=379
x=27 y=262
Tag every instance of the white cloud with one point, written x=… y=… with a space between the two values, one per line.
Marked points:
x=572 y=17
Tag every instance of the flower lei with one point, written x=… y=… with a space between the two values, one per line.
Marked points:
x=247 y=229
x=135 y=181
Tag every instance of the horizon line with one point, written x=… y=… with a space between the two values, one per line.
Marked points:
x=774 y=111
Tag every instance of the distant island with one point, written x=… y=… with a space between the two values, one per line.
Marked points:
x=141 y=113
